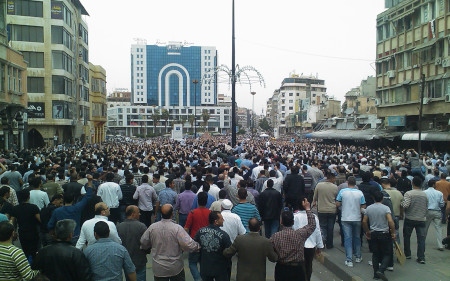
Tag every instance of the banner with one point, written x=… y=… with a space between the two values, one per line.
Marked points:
x=36 y=110
x=57 y=10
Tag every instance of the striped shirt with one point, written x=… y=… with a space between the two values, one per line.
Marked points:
x=415 y=204
x=13 y=264
x=246 y=211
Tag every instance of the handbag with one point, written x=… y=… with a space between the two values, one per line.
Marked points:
x=401 y=258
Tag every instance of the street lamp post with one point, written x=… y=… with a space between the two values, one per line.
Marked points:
x=195 y=81
x=233 y=81
x=253 y=112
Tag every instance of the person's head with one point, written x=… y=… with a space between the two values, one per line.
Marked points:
x=23 y=195
x=132 y=212
x=169 y=183
x=431 y=183
x=254 y=225
x=385 y=183
x=144 y=179
x=57 y=200
x=202 y=198
x=156 y=178
x=351 y=181
x=269 y=183
x=222 y=194
x=167 y=211
x=101 y=230
x=205 y=187
x=242 y=193
x=365 y=176
x=272 y=173
x=226 y=204
x=6 y=231
x=68 y=197
x=4 y=180
x=209 y=179
x=109 y=177
x=101 y=209
x=5 y=192
x=35 y=182
x=294 y=170
x=378 y=196
x=64 y=229
x=287 y=218
x=129 y=178
x=417 y=182
x=215 y=218
x=443 y=176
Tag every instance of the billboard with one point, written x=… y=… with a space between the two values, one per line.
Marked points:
x=396 y=121
x=57 y=10
x=36 y=110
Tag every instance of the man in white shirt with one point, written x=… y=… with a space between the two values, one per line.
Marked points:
x=87 y=229
x=111 y=193
x=232 y=223
x=37 y=196
x=277 y=178
x=213 y=189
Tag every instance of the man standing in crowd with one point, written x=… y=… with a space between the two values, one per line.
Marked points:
x=380 y=234
x=87 y=234
x=147 y=198
x=443 y=186
x=107 y=258
x=435 y=204
x=325 y=198
x=167 y=241
x=46 y=214
x=51 y=187
x=352 y=201
x=111 y=193
x=293 y=186
x=314 y=242
x=129 y=231
x=12 y=196
x=60 y=260
x=128 y=189
x=244 y=209
x=37 y=196
x=73 y=187
x=232 y=224
x=166 y=196
x=253 y=249
x=197 y=219
x=269 y=207
x=289 y=245
x=14 y=177
x=415 y=204
x=14 y=264
x=184 y=204
x=214 y=266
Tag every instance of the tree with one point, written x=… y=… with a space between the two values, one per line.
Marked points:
x=264 y=124
x=165 y=116
x=205 y=117
x=156 y=117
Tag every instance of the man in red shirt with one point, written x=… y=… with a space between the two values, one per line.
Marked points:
x=197 y=219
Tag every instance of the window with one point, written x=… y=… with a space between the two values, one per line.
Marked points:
x=61 y=60
x=35 y=84
x=27 y=33
x=62 y=85
x=34 y=59
x=25 y=8
x=61 y=36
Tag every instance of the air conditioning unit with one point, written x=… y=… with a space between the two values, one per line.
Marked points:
x=377 y=102
x=391 y=74
x=426 y=101
x=438 y=61
x=447 y=98
x=445 y=62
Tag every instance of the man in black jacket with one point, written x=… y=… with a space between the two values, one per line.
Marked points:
x=269 y=207
x=293 y=187
x=60 y=260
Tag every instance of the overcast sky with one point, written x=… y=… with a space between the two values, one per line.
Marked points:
x=335 y=40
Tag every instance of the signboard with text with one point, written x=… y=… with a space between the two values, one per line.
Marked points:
x=36 y=110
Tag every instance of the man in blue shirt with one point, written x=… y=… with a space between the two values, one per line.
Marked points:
x=107 y=258
x=166 y=196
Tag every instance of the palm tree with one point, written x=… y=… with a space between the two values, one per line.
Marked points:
x=156 y=117
x=165 y=116
x=205 y=117
x=191 y=120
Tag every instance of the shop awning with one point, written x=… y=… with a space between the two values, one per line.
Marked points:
x=428 y=136
x=368 y=134
x=424 y=45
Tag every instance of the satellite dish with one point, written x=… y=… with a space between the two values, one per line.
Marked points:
x=349 y=110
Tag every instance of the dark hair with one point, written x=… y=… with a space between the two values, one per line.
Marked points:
x=351 y=181
x=202 y=198
x=56 y=197
x=109 y=177
x=68 y=197
x=417 y=181
x=272 y=173
x=23 y=195
x=365 y=176
x=222 y=194
x=169 y=213
x=206 y=186
x=294 y=170
x=4 y=180
x=168 y=182
x=287 y=218
x=129 y=178
x=242 y=193
x=4 y=190
x=209 y=178
x=213 y=216
x=6 y=230
x=269 y=183
x=35 y=182
x=378 y=196
x=431 y=183
x=254 y=225
x=144 y=179
x=102 y=229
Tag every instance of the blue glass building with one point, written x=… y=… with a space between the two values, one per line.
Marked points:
x=163 y=75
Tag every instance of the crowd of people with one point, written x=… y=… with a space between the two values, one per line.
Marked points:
x=94 y=212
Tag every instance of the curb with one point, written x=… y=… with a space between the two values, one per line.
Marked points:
x=336 y=269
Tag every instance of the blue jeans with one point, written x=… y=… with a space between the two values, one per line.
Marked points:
x=352 y=239
x=182 y=218
x=141 y=275
x=408 y=227
x=327 y=221
x=270 y=227
x=194 y=259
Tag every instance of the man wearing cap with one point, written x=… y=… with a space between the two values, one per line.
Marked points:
x=232 y=223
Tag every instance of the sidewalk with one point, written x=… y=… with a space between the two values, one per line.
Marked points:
x=437 y=267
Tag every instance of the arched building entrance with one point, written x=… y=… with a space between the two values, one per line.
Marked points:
x=35 y=139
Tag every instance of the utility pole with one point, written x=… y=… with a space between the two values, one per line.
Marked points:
x=422 y=92
x=195 y=81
